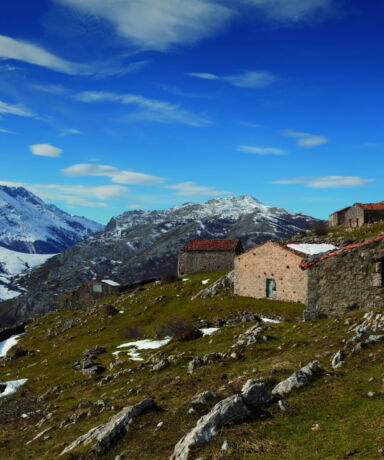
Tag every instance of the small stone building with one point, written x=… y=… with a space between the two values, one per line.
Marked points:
x=351 y=278
x=358 y=214
x=86 y=294
x=202 y=256
x=273 y=270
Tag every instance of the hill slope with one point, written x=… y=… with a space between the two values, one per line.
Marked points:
x=335 y=415
x=139 y=245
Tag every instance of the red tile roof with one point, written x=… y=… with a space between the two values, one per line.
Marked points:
x=211 y=245
x=344 y=248
x=372 y=206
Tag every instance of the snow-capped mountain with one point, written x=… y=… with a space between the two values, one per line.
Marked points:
x=142 y=244
x=28 y=224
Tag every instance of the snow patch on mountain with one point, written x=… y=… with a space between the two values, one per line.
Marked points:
x=28 y=224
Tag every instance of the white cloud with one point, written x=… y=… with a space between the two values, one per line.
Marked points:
x=20 y=50
x=136 y=206
x=150 y=109
x=249 y=124
x=193 y=189
x=260 y=150
x=306 y=140
x=45 y=150
x=327 y=181
x=158 y=24
x=67 y=132
x=117 y=176
x=6 y=131
x=245 y=79
x=17 y=110
x=51 y=89
x=290 y=10
x=79 y=195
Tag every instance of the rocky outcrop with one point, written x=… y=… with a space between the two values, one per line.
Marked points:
x=231 y=410
x=103 y=437
x=298 y=379
x=225 y=281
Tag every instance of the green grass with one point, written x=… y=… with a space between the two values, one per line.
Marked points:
x=337 y=401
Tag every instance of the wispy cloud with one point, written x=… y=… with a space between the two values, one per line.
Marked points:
x=194 y=189
x=291 y=11
x=11 y=184
x=167 y=22
x=69 y=131
x=45 y=150
x=17 y=110
x=51 y=89
x=20 y=50
x=326 y=181
x=23 y=51
x=116 y=175
x=245 y=79
x=248 y=124
x=150 y=109
x=306 y=140
x=6 y=131
x=260 y=150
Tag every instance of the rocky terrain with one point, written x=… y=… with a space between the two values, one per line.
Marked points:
x=153 y=374
x=144 y=244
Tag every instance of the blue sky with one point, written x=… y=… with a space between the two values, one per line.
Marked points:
x=113 y=105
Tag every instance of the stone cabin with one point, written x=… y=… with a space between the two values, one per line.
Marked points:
x=328 y=283
x=357 y=215
x=86 y=294
x=202 y=256
x=273 y=270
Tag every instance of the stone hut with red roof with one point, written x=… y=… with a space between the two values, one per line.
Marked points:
x=358 y=214
x=202 y=256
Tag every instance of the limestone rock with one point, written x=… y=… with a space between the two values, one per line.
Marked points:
x=338 y=359
x=203 y=398
x=226 y=412
x=298 y=379
x=223 y=282
x=255 y=393
x=194 y=364
x=103 y=437
x=162 y=364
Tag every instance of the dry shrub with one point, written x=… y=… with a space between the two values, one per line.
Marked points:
x=320 y=228
x=110 y=310
x=168 y=278
x=131 y=332
x=17 y=352
x=180 y=330
x=12 y=409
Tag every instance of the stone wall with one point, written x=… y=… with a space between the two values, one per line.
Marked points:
x=84 y=296
x=270 y=261
x=203 y=262
x=354 y=217
x=347 y=281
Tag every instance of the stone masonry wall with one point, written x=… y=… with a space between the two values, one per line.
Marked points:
x=350 y=280
x=354 y=217
x=270 y=261
x=203 y=262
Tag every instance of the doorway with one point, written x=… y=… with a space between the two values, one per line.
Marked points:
x=270 y=288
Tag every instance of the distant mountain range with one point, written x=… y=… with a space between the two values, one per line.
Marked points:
x=141 y=244
x=28 y=224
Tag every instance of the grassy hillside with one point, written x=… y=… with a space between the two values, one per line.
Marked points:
x=327 y=419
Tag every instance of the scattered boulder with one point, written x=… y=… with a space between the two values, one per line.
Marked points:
x=250 y=336
x=226 y=412
x=162 y=364
x=255 y=393
x=298 y=379
x=338 y=359
x=225 y=281
x=105 y=436
x=203 y=398
x=194 y=364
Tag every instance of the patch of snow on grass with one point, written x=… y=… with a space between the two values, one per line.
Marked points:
x=312 y=248
x=209 y=330
x=185 y=279
x=205 y=281
x=12 y=386
x=6 y=345
x=269 y=320
x=146 y=344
